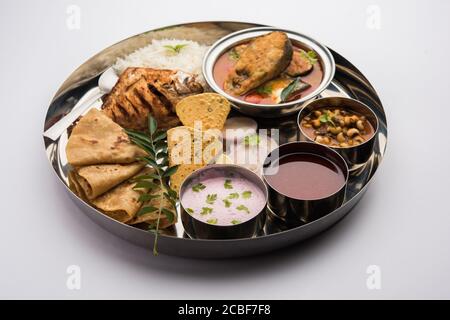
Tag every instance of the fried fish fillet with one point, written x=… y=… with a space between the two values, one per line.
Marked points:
x=262 y=60
x=300 y=65
x=143 y=91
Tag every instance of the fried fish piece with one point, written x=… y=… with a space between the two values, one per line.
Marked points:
x=143 y=91
x=262 y=60
x=300 y=65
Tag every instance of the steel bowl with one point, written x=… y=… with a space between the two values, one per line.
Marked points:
x=355 y=156
x=300 y=211
x=197 y=229
x=268 y=110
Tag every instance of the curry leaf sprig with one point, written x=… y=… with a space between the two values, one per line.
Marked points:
x=264 y=90
x=155 y=184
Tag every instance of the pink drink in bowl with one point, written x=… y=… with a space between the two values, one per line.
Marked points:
x=222 y=202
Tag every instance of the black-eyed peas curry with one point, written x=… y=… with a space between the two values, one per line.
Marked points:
x=337 y=127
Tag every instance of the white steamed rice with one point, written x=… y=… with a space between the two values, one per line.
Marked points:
x=155 y=55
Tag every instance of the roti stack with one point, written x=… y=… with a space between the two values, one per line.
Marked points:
x=104 y=162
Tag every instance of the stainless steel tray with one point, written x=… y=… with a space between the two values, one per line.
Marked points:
x=348 y=82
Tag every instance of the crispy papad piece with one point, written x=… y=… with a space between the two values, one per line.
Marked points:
x=98 y=179
x=208 y=109
x=96 y=139
x=191 y=150
x=189 y=146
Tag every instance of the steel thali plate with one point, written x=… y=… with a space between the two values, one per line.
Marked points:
x=348 y=82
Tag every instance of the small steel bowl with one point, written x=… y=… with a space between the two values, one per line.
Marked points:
x=300 y=211
x=201 y=230
x=268 y=110
x=355 y=156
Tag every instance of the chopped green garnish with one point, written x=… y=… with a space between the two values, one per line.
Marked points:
x=227 y=203
x=175 y=49
x=198 y=187
x=243 y=208
x=233 y=195
x=264 y=90
x=227 y=184
x=206 y=210
x=235 y=221
x=234 y=55
x=311 y=56
x=210 y=198
x=252 y=140
x=325 y=118
x=190 y=210
x=246 y=194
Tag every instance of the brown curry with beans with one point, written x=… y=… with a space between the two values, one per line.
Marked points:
x=337 y=127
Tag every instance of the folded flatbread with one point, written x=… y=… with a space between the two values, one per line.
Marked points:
x=96 y=139
x=120 y=203
x=75 y=186
x=95 y=180
x=152 y=217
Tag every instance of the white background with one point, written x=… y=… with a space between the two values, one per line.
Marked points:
x=401 y=225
